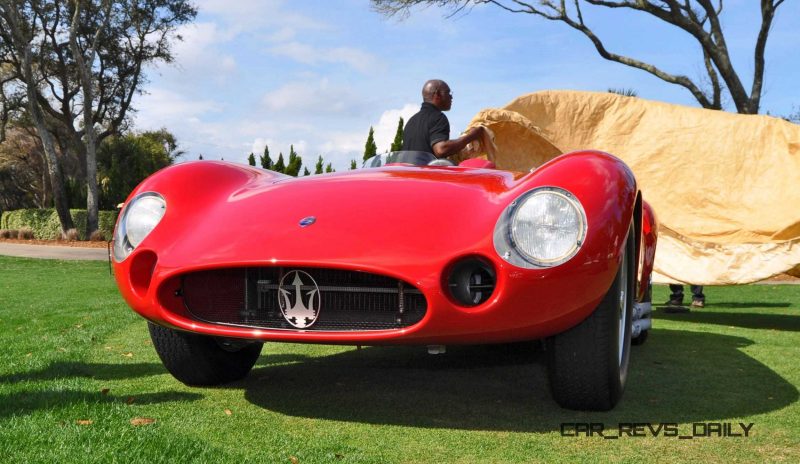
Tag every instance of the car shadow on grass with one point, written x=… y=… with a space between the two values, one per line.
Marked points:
x=781 y=322
x=33 y=399
x=99 y=371
x=677 y=376
x=27 y=402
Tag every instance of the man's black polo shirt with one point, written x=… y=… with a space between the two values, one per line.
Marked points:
x=427 y=127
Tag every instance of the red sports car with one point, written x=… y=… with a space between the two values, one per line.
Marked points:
x=221 y=257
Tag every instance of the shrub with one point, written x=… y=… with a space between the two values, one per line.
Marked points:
x=46 y=226
x=98 y=236
x=71 y=235
x=34 y=219
x=25 y=233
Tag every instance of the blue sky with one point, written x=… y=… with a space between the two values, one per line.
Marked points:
x=318 y=74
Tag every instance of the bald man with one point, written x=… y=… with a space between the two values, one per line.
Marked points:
x=429 y=129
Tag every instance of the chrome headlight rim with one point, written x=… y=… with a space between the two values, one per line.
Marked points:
x=506 y=246
x=122 y=243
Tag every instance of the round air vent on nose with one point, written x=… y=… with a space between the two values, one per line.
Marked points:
x=471 y=281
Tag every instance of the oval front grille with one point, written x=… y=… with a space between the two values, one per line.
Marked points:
x=340 y=300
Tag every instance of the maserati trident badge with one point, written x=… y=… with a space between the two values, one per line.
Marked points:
x=299 y=299
x=307 y=221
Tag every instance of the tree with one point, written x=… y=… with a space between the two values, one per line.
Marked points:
x=280 y=165
x=251 y=160
x=353 y=165
x=624 y=92
x=16 y=48
x=86 y=60
x=12 y=98
x=794 y=116
x=126 y=160
x=318 y=169
x=305 y=172
x=266 y=161
x=86 y=83
x=24 y=181
x=370 y=148
x=200 y=157
x=397 y=144
x=699 y=19
x=329 y=168
x=295 y=162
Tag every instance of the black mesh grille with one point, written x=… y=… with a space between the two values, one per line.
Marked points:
x=346 y=300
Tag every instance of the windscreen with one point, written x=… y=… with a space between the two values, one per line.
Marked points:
x=416 y=158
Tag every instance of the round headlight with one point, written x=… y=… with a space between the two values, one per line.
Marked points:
x=544 y=227
x=139 y=218
x=142 y=218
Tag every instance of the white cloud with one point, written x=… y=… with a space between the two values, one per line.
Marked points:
x=341 y=147
x=283 y=34
x=343 y=143
x=258 y=145
x=307 y=54
x=313 y=98
x=160 y=107
x=254 y=15
x=200 y=51
x=387 y=125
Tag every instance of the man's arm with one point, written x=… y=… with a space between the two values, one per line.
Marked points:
x=446 y=148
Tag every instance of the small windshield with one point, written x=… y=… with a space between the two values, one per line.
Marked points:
x=417 y=158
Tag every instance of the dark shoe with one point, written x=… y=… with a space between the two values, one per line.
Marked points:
x=674 y=302
x=698 y=304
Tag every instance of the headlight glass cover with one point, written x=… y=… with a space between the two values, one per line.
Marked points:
x=544 y=227
x=140 y=216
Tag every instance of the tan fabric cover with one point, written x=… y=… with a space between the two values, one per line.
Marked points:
x=725 y=186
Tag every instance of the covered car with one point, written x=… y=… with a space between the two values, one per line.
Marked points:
x=221 y=257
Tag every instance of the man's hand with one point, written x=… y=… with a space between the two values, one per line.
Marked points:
x=447 y=148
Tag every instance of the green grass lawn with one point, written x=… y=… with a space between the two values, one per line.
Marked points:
x=77 y=366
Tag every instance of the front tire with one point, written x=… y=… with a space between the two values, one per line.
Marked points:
x=201 y=360
x=588 y=364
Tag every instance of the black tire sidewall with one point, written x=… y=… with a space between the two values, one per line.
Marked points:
x=618 y=374
x=200 y=360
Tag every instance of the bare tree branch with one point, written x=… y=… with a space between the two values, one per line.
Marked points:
x=698 y=18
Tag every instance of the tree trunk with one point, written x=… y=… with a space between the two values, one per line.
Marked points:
x=92 y=200
x=85 y=75
x=53 y=165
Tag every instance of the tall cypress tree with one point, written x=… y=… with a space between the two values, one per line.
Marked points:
x=370 y=148
x=251 y=160
x=280 y=165
x=353 y=164
x=305 y=172
x=397 y=145
x=329 y=168
x=319 y=167
x=266 y=161
x=295 y=162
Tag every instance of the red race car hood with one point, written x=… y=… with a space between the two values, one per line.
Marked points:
x=249 y=216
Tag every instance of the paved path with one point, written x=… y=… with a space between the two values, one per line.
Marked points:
x=53 y=252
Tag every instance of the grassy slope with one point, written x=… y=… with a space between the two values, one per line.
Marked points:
x=66 y=336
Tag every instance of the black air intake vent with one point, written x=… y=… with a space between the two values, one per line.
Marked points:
x=302 y=299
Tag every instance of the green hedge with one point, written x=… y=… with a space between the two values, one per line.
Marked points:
x=45 y=225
